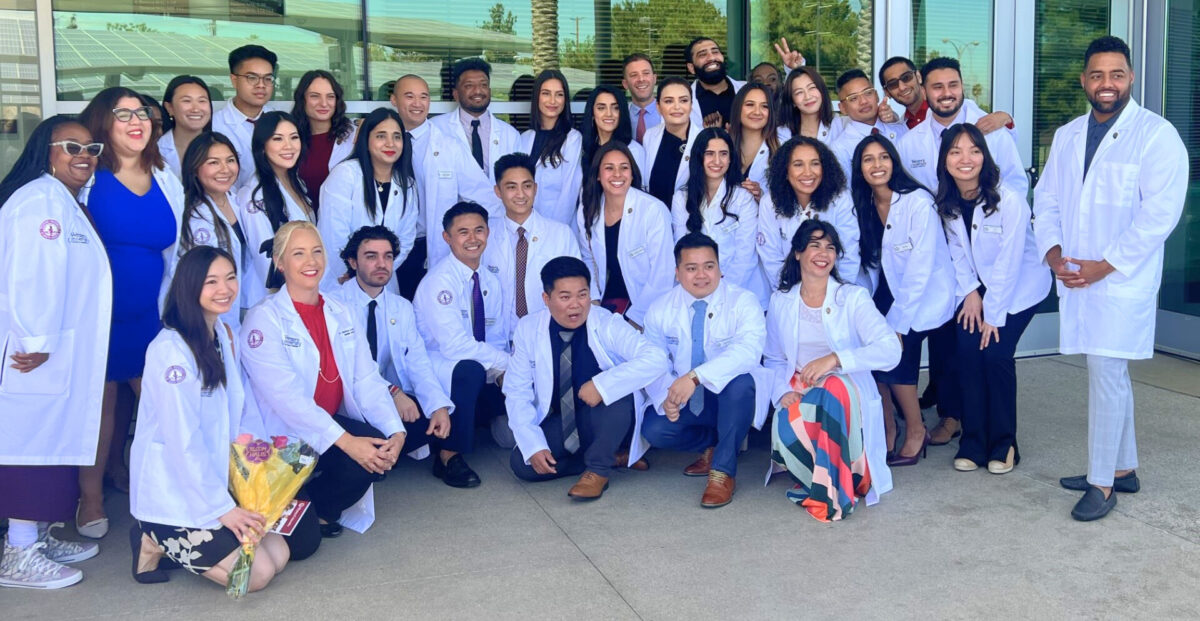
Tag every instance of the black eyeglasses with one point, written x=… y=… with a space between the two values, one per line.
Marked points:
x=74 y=148
x=905 y=77
x=254 y=79
x=124 y=115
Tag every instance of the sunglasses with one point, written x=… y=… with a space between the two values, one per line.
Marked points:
x=74 y=148
x=124 y=115
x=906 y=77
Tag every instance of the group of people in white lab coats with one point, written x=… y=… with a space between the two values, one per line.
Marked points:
x=589 y=294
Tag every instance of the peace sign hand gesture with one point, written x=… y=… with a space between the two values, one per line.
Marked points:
x=790 y=58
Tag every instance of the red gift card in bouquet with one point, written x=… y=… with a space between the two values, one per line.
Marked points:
x=290 y=518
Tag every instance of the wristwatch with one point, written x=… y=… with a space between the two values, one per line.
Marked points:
x=695 y=378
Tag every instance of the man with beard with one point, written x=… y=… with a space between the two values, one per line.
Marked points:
x=901 y=81
x=472 y=139
x=713 y=90
x=640 y=80
x=918 y=148
x=859 y=102
x=1112 y=191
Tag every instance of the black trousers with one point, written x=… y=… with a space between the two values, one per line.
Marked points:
x=476 y=402
x=943 y=369
x=601 y=430
x=410 y=273
x=339 y=481
x=306 y=538
x=989 y=390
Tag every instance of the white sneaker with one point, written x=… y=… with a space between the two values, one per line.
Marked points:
x=27 y=568
x=65 y=551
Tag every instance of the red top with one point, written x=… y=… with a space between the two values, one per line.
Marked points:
x=329 y=382
x=910 y=119
x=315 y=167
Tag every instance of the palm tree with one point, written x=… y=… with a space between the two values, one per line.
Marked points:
x=545 y=34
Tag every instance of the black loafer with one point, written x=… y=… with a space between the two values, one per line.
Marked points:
x=1093 y=505
x=332 y=530
x=456 y=472
x=1128 y=484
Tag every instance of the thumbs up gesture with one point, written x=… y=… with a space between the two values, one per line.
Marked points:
x=886 y=114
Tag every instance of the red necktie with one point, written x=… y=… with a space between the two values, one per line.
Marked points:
x=641 y=126
x=874 y=131
x=522 y=259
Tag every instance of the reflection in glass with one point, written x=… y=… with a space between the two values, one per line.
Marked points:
x=20 y=93
x=833 y=35
x=960 y=30
x=1181 y=269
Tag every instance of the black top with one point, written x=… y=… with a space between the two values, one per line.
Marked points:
x=967 y=208
x=614 y=289
x=1095 y=134
x=237 y=230
x=710 y=102
x=384 y=190
x=666 y=168
x=540 y=138
x=583 y=362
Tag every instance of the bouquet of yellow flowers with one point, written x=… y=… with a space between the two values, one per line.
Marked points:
x=264 y=477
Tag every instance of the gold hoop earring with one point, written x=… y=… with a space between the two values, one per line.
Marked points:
x=53 y=171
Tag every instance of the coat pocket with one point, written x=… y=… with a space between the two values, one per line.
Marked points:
x=53 y=377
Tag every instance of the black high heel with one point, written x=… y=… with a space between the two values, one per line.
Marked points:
x=900 y=459
x=154 y=576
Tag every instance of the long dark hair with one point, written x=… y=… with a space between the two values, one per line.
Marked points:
x=789 y=114
x=833 y=180
x=34 y=160
x=789 y=274
x=591 y=136
x=195 y=197
x=592 y=194
x=697 y=189
x=551 y=154
x=340 y=127
x=948 y=199
x=169 y=121
x=770 y=136
x=183 y=313
x=402 y=169
x=273 y=202
x=98 y=118
x=870 y=228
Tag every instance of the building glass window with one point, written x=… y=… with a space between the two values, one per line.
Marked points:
x=1181 y=106
x=833 y=35
x=20 y=91
x=960 y=30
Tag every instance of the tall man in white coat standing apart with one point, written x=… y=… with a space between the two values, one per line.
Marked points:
x=1112 y=191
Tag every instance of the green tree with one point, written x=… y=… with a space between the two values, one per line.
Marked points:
x=827 y=32
x=580 y=55
x=128 y=27
x=650 y=26
x=500 y=20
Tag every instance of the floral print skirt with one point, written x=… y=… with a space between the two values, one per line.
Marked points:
x=195 y=549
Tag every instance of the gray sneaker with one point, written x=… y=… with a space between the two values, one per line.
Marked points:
x=64 y=551
x=28 y=568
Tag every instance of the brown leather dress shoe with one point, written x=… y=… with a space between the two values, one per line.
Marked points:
x=622 y=461
x=590 y=486
x=946 y=430
x=700 y=467
x=719 y=491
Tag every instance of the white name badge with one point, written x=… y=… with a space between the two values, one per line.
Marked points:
x=640 y=250
x=445 y=174
x=905 y=247
x=993 y=228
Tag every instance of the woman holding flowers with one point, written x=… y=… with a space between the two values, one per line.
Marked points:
x=190 y=412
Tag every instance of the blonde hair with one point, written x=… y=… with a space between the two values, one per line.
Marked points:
x=283 y=237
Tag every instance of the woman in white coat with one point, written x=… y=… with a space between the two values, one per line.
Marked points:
x=137 y=207
x=1001 y=279
x=556 y=147
x=907 y=265
x=375 y=186
x=210 y=213
x=55 y=305
x=807 y=108
x=319 y=109
x=714 y=203
x=188 y=113
x=804 y=182
x=824 y=338
x=189 y=414
x=755 y=138
x=624 y=236
x=669 y=144
x=313 y=378
x=606 y=117
x=274 y=196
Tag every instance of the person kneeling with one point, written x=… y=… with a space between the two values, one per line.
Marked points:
x=573 y=383
x=189 y=414
x=714 y=332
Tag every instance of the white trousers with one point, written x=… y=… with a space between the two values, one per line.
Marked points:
x=1112 y=444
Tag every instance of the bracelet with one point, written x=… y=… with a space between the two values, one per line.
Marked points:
x=393 y=389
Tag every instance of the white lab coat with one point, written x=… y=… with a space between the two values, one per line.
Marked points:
x=653 y=139
x=826 y=134
x=734 y=236
x=627 y=363
x=171 y=156
x=1001 y=253
x=204 y=234
x=863 y=342
x=916 y=260
x=55 y=298
x=443 y=308
x=179 y=461
x=645 y=251
x=257 y=228
x=343 y=148
x=775 y=235
x=343 y=212
x=697 y=116
x=230 y=121
x=410 y=368
x=734 y=336
x=558 y=186
x=282 y=364
x=920 y=146
x=853 y=132
x=757 y=171
x=1121 y=212
x=547 y=238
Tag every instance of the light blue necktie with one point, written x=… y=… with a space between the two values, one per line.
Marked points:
x=696 y=403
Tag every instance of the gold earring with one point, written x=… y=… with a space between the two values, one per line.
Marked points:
x=53 y=172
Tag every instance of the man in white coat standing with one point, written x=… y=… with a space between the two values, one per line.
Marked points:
x=252 y=73
x=1112 y=190
x=715 y=388
x=575 y=379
